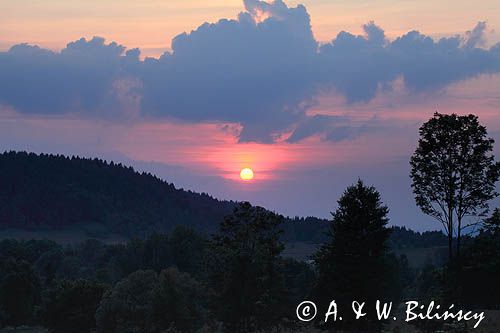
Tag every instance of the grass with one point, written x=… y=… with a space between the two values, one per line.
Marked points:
x=23 y=329
x=417 y=257
x=74 y=235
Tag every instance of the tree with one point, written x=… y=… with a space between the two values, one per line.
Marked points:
x=479 y=267
x=354 y=263
x=71 y=305
x=127 y=307
x=149 y=302
x=492 y=223
x=299 y=280
x=244 y=270
x=188 y=248
x=177 y=301
x=453 y=172
x=19 y=292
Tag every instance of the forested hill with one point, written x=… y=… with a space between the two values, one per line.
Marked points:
x=49 y=191
x=54 y=192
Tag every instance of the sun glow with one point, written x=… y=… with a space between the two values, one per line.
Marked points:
x=246 y=174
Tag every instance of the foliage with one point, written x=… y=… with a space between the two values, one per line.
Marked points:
x=185 y=281
x=299 y=280
x=127 y=307
x=354 y=264
x=19 y=292
x=244 y=270
x=480 y=267
x=178 y=301
x=57 y=192
x=305 y=229
x=401 y=237
x=150 y=303
x=101 y=198
x=53 y=191
x=453 y=171
x=70 y=306
x=492 y=223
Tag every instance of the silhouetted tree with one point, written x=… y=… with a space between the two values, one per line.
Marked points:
x=178 y=301
x=187 y=250
x=492 y=223
x=354 y=264
x=150 y=303
x=127 y=307
x=19 y=292
x=453 y=171
x=56 y=191
x=244 y=270
x=299 y=280
x=71 y=305
x=480 y=268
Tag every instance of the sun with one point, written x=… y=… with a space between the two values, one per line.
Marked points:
x=246 y=174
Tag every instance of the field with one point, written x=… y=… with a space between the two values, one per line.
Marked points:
x=417 y=257
x=24 y=329
x=73 y=235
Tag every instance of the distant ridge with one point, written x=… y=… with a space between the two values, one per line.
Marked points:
x=55 y=192
x=46 y=194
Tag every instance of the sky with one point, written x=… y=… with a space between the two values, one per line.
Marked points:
x=151 y=24
x=311 y=95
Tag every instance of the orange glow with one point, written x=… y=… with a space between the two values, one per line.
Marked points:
x=261 y=16
x=390 y=129
x=151 y=25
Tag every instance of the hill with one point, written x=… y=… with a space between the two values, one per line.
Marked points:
x=60 y=197
x=56 y=192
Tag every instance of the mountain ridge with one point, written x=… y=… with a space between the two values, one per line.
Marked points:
x=56 y=191
x=49 y=193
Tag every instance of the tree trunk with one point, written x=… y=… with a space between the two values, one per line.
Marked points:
x=459 y=224
x=450 y=234
x=450 y=245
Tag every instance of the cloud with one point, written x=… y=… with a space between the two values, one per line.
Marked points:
x=358 y=66
x=261 y=70
x=260 y=9
x=78 y=78
x=374 y=34
x=476 y=37
x=329 y=128
x=333 y=128
x=255 y=73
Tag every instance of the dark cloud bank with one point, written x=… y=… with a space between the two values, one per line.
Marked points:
x=261 y=74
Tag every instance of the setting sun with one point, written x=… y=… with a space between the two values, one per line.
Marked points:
x=246 y=174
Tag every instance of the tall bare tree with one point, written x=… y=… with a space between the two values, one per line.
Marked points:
x=454 y=172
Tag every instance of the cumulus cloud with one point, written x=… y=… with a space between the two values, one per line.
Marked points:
x=358 y=66
x=476 y=37
x=331 y=128
x=261 y=70
x=79 y=78
x=255 y=73
x=262 y=9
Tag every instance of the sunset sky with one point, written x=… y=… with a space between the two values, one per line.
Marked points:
x=279 y=87
x=151 y=24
